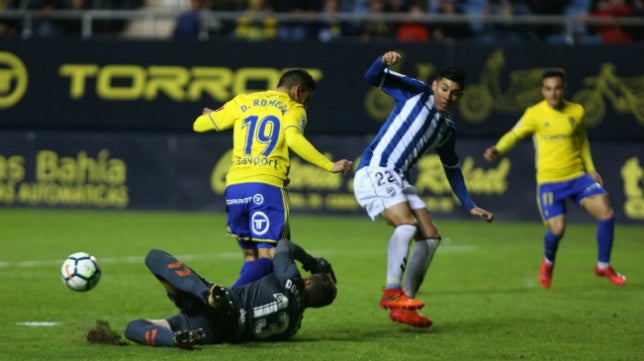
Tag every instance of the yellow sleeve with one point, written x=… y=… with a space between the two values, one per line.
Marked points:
x=220 y=119
x=523 y=128
x=204 y=123
x=507 y=142
x=303 y=148
x=584 y=150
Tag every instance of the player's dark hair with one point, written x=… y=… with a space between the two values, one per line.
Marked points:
x=297 y=77
x=321 y=292
x=454 y=74
x=549 y=73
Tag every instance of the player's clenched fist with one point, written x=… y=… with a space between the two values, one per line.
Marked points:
x=391 y=58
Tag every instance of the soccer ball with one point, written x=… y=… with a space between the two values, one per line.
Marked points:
x=80 y=271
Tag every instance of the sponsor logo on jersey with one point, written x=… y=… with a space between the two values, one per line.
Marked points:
x=255 y=161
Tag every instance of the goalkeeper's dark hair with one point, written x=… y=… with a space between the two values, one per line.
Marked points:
x=320 y=292
x=551 y=72
x=297 y=77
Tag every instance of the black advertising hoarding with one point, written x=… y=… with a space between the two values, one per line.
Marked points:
x=186 y=172
x=108 y=124
x=162 y=86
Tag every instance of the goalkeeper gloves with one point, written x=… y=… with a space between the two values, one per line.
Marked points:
x=320 y=265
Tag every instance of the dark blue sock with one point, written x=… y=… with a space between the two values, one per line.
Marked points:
x=254 y=270
x=605 y=232
x=551 y=243
x=147 y=333
x=179 y=275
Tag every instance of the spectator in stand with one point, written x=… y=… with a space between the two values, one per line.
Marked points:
x=257 y=23
x=296 y=30
x=227 y=25
x=354 y=27
x=376 y=28
x=547 y=7
x=196 y=23
x=474 y=8
x=402 y=6
x=454 y=30
x=510 y=8
x=329 y=27
x=7 y=26
x=111 y=26
x=613 y=33
x=188 y=23
x=44 y=25
x=397 y=7
x=355 y=6
x=228 y=5
x=638 y=11
x=506 y=32
x=74 y=26
x=413 y=30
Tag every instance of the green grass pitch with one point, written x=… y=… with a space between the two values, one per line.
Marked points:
x=480 y=291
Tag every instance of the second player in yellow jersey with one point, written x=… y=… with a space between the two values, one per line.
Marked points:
x=565 y=171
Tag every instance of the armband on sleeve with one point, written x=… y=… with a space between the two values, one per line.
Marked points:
x=204 y=123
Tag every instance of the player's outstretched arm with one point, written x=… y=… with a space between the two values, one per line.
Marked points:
x=295 y=251
x=309 y=263
x=203 y=123
x=480 y=212
x=303 y=148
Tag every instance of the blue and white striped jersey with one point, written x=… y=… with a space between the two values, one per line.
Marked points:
x=414 y=126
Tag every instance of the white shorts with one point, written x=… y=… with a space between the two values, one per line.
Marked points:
x=377 y=189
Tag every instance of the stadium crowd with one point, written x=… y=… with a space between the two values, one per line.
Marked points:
x=318 y=19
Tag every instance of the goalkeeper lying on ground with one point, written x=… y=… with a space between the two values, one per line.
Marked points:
x=270 y=308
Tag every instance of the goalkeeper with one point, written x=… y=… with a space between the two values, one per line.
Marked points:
x=270 y=308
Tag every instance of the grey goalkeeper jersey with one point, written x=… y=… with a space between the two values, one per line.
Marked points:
x=271 y=308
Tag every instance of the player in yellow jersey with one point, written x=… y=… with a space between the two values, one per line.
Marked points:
x=565 y=170
x=266 y=125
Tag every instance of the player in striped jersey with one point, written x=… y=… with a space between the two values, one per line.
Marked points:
x=419 y=122
x=565 y=170
x=266 y=125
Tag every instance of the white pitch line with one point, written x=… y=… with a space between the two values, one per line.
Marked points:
x=443 y=249
x=122 y=260
x=38 y=323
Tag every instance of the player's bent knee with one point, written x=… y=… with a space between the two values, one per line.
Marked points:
x=134 y=331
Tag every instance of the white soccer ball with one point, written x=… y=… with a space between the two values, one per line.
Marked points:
x=80 y=271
